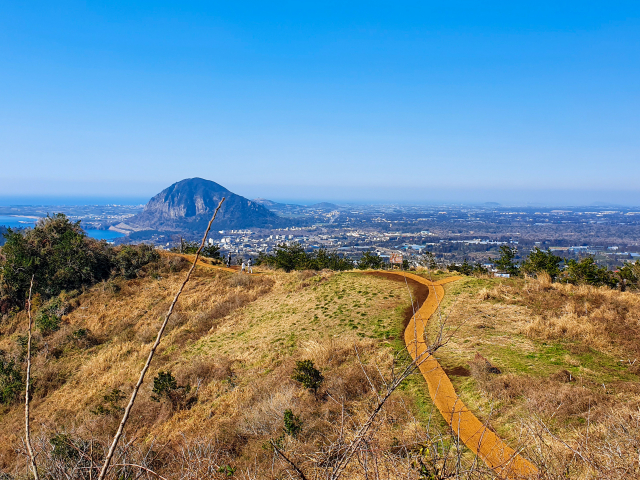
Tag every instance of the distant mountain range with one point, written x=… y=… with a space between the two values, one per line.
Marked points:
x=187 y=206
x=278 y=207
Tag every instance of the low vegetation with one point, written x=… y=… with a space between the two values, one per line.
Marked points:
x=552 y=367
x=292 y=256
x=248 y=362
x=265 y=376
x=583 y=272
x=59 y=257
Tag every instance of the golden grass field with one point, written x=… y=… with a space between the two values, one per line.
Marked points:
x=568 y=381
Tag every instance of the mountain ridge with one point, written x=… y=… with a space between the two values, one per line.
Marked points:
x=187 y=206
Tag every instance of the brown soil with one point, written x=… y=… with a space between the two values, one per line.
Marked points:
x=458 y=371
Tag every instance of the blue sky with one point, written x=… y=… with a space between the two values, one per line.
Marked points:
x=341 y=101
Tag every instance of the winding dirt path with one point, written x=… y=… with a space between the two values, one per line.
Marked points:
x=202 y=262
x=475 y=435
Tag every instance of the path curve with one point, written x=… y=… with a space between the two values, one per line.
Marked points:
x=201 y=261
x=475 y=435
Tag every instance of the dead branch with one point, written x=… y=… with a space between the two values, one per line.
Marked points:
x=134 y=394
x=32 y=458
x=293 y=465
x=353 y=446
x=144 y=469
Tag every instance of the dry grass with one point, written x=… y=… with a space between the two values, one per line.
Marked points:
x=600 y=317
x=234 y=339
x=568 y=391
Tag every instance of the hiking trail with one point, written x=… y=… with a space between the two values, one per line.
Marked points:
x=504 y=460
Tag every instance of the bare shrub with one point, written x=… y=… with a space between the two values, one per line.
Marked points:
x=608 y=449
x=306 y=274
x=49 y=378
x=173 y=263
x=202 y=369
x=352 y=383
x=241 y=280
x=146 y=334
x=265 y=417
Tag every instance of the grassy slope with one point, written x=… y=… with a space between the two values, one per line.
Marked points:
x=237 y=339
x=538 y=334
x=234 y=336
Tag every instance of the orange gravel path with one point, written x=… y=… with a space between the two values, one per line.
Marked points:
x=475 y=435
x=200 y=263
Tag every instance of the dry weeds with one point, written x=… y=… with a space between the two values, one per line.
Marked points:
x=235 y=340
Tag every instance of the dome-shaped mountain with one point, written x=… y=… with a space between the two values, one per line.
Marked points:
x=188 y=205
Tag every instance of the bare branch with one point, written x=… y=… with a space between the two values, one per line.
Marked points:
x=293 y=465
x=144 y=469
x=32 y=458
x=127 y=411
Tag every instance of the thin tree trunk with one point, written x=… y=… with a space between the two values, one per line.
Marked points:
x=293 y=465
x=32 y=458
x=125 y=417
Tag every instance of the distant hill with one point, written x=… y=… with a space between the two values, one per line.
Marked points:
x=187 y=206
x=324 y=206
x=268 y=203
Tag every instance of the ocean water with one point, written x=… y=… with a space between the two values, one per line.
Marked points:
x=107 y=235
x=24 y=222
x=17 y=222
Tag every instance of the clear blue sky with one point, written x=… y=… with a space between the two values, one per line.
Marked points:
x=406 y=101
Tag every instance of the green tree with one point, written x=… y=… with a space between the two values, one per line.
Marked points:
x=308 y=375
x=292 y=423
x=111 y=403
x=57 y=253
x=464 y=268
x=210 y=250
x=629 y=274
x=287 y=257
x=11 y=381
x=506 y=263
x=479 y=269
x=539 y=261
x=292 y=256
x=129 y=259
x=165 y=386
x=330 y=260
x=587 y=272
x=428 y=260
x=61 y=257
x=370 y=260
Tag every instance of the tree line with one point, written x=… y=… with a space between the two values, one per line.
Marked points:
x=59 y=256
x=578 y=272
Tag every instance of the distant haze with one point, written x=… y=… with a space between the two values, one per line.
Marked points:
x=414 y=196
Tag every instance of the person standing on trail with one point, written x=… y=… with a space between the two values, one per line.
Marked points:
x=249 y=269
x=243 y=266
x=229 y=260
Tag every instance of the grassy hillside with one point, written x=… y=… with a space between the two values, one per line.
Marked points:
x=234 y=340
x=568 y=390
x=566 y=387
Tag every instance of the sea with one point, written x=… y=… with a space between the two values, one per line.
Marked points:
x=24 y=222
